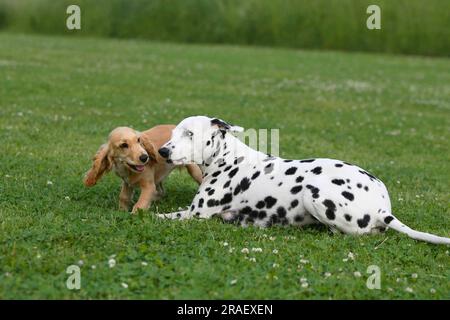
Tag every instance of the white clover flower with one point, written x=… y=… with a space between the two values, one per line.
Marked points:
x=233 y=282
x=351 y=256
x=93 y=267
x=252 y=259
x=112 y=263
x=304 y=261
x=144 y=263
x=38 y=256
x=275 y=265
x=231 y=250
x=256 y=249
x=67 y=198
x=80 y=262
x=414 y=276
x=225 y=244
x=305 y=285
x=327 y=274
x=124 y=285
x=245 y=250
x=272 y=238
x=344 y=260
x=275 y=251
x=357 y=274
x=409 y=289
x=49 y=183
x=303 y=280
x=433 y=290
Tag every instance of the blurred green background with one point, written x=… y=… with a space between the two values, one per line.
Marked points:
x=408 y=26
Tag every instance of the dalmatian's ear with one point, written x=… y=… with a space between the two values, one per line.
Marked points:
x=226 y=126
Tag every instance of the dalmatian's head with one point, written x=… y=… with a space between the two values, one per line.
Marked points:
x=196 y=139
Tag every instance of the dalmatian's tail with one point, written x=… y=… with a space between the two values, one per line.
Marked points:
x=417 y=235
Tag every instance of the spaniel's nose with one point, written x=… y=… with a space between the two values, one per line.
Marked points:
x=164 y=152
x=143 y=158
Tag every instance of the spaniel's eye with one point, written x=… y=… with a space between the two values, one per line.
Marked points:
x=124 y=145
x=139 y=140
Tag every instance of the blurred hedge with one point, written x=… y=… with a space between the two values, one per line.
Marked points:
x=408 y=26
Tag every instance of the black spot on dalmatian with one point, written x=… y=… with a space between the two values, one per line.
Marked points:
x=366 y=188
x=359 y=185
x=200 y=202
x=221 y=163
x=307 y=160
x=238 y=160
x=226 y=198
x=269 y=168
x=225 y=208
x=294 y=203
x=298 y=218
x=213 y=181
x=237 y=189
x=207 y=189
x=270 y=201
x=215 y=174
x=272 y=220
x=211 y=192
x=261 y=204
x=281 y=212
x=211 y=203
x=331 y=209
x=299 y=179
x=288 y=160
x=227 y=168
x=233 y=172
x=254 y=214
x=192 y=207
x=296 y=189
x=262 y=214
x=347 y=163
x=348 y=180
x=208 y=142
x=314 y=191
x=227 y=184
x=246 y=210
x=245 y=184
x=255 y=175
x=388 y=219
x=348 y=217
x=197 y=213
x=364 y=222
x=317 y=170
x=242 y=186
x=348 y=195
x=339 y=182
x=338 y=165
x=279 y=184
x=290 y=171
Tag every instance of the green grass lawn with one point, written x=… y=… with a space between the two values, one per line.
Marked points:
x=60 y=97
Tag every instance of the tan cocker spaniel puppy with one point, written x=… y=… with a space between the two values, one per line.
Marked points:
x=134 y=157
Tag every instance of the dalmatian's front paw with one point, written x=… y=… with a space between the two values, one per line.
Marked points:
x=178 y=215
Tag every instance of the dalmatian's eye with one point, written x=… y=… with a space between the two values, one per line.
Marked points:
x=189 y=133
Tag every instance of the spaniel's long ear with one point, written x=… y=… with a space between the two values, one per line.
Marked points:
x=101 y=164
x=151 y=149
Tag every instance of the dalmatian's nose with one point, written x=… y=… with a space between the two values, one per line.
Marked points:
x=164 y=152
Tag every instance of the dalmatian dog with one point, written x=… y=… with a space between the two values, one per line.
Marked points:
x=248 y=187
